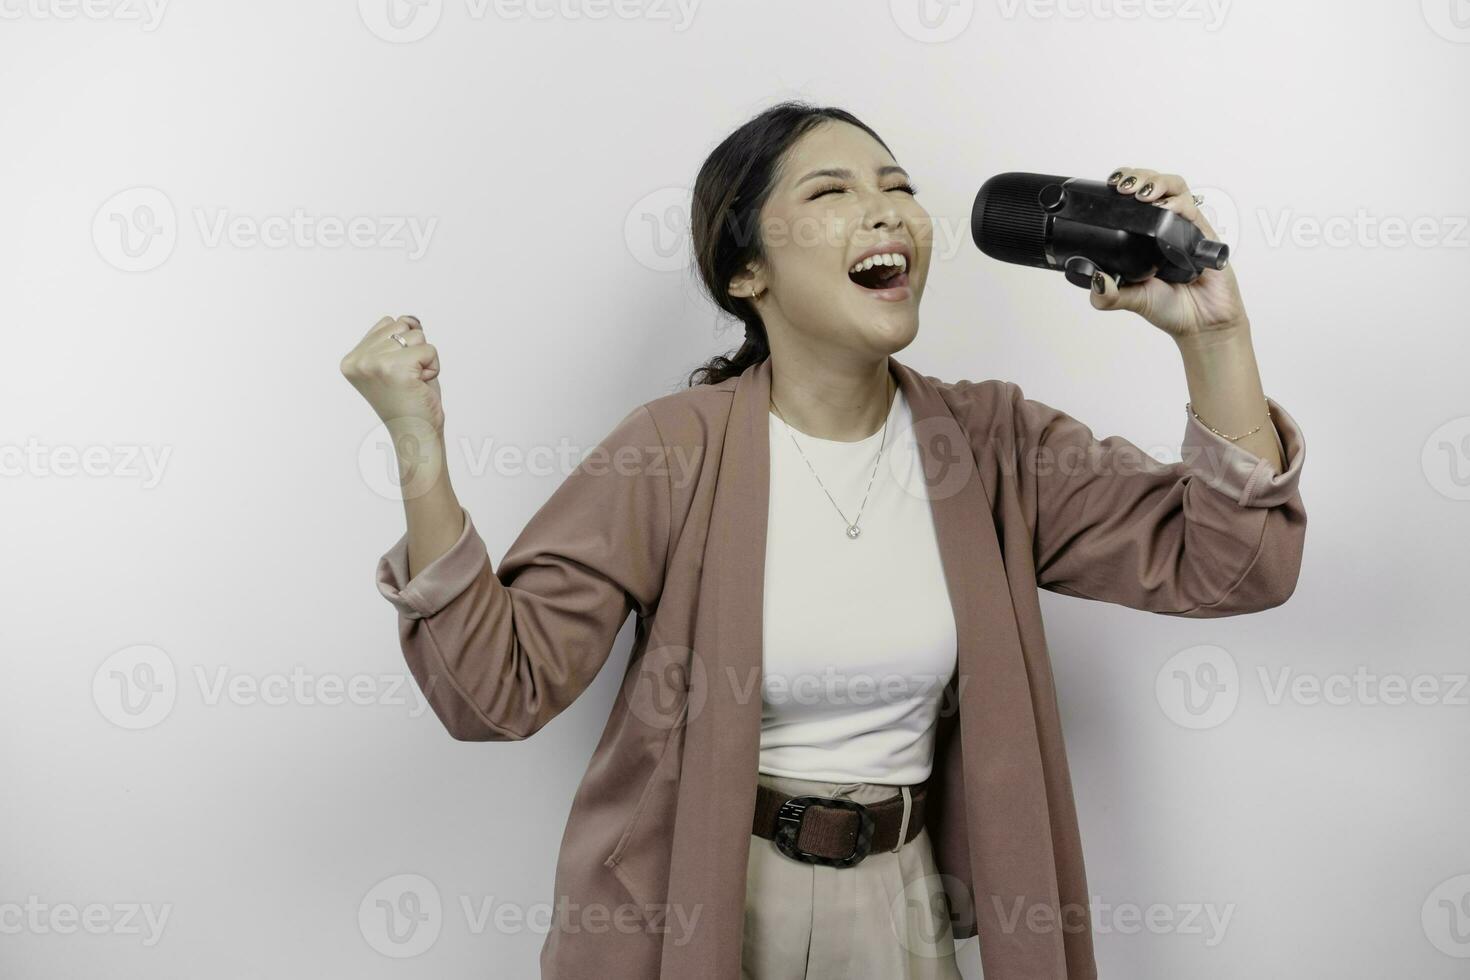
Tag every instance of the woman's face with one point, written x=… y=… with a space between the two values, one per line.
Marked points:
x=838 y=198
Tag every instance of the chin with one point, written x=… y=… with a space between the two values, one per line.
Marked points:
x=889 y=332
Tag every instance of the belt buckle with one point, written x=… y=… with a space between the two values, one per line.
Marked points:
x=788 y=827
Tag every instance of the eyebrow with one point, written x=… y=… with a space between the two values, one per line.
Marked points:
x=844 y=174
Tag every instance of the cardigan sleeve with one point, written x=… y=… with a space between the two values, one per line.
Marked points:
x=1218 y=534
x=499 y=653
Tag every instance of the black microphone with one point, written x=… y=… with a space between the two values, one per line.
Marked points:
x=1079 y=227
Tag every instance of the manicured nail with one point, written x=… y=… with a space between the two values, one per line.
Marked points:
x=1128 y=183
x=1146 y=190
x=1098 y=283
x=1114 y=178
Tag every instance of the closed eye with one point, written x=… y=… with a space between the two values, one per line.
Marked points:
x=905 y=187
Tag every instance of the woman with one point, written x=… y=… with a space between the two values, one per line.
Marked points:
x=892 y=627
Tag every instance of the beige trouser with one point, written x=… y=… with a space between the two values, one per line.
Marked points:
x=885 y=918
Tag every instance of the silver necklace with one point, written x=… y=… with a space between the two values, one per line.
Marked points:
x=852 y=526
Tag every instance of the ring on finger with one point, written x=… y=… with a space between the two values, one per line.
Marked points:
x=399 y=337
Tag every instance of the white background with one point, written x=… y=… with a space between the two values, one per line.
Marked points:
x=550 y=153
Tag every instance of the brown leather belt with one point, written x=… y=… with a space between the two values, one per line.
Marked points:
x=833 y=831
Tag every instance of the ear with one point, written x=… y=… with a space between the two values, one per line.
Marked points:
x=749 y=283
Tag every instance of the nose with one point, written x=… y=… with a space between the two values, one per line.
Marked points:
x=883 y=213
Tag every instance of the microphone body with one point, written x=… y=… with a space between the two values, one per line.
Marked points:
x=1079 y=227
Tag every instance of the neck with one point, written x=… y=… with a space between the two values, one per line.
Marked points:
x=830 y=400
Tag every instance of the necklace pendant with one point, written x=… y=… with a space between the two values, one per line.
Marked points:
x=853 y=530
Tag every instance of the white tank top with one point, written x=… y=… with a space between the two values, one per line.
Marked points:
x=859 y=634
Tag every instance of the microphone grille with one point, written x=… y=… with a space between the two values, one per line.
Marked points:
x=1007 y=222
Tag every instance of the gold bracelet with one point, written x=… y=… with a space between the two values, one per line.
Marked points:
x=1188 y=407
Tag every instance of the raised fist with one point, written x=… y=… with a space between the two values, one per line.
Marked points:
x=397 y=370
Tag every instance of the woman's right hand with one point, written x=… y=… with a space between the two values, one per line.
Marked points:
x=400 y=382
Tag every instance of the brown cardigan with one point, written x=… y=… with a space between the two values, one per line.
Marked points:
x=670 y=522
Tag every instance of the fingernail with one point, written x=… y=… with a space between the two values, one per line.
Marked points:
x=1114 y=178
x=1145 y=190
x=1098 y=285
x=1129 y=182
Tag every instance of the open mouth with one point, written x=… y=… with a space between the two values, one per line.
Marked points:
x=879 y=272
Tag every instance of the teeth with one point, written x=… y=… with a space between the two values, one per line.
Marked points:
x=887 y=258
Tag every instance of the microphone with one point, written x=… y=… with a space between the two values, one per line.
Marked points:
x=1079 y=227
